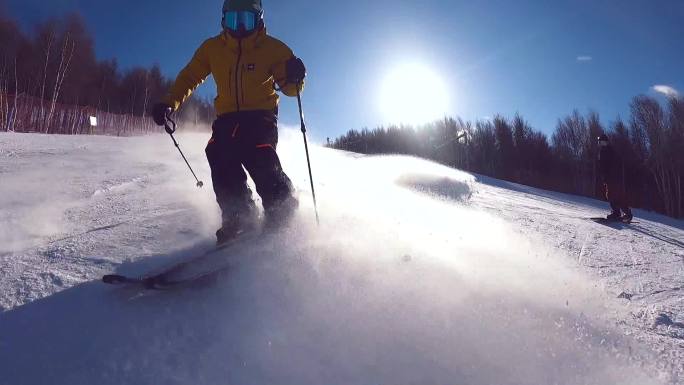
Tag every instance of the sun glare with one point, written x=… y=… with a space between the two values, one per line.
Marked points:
x=413 y=94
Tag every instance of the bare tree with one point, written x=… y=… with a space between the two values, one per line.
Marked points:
x=676 y=145
x=4 y=106
x=569 y=142
x=147 y=93
x=522 y=161
x=503 y=133
x=595 y=129
x=13 y=119
x=483 y=148
x=648 y=118
x=48 y=48
x=67 y=52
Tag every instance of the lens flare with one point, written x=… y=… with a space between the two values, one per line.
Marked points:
x=413 y=94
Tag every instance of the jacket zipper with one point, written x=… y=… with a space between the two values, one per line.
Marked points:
x=242 y=85
x=237 y=72
x=230 y=75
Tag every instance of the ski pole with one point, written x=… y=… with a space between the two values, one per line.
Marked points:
x=170 y=130
x=306 y=148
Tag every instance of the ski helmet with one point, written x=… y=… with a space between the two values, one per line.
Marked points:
x=242 y=17
x=243 y=5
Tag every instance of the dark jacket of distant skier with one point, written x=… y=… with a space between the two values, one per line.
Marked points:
x=248 y=67
x=611 y=176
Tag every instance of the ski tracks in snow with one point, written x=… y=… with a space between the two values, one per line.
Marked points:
x=68 y=202
x=641 y=265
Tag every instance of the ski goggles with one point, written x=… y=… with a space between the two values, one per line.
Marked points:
x=233 y=19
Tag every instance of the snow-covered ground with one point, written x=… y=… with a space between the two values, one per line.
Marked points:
x=417 y=274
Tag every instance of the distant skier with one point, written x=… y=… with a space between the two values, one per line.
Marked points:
x=248 y=66
x=610 y=172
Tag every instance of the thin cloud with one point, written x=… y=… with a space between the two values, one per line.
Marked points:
x=665 y=90
x=584 y=58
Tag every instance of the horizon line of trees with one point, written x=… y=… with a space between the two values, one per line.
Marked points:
x=650 y=144
x=50 y=75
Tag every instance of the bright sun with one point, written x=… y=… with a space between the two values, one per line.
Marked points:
x=413 y=94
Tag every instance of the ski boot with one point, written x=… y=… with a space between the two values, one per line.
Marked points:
x=627 y=217
x=280 y=214
x=234 y=228
x=614 y=217
x=226 y=234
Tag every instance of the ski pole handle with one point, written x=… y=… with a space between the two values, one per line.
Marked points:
x=170 y=129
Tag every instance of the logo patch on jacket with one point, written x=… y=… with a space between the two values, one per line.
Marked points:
x=251 y=67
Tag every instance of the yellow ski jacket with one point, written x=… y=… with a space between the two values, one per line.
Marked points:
x=246 y=72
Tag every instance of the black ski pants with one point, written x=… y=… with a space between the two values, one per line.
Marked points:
x=246 y=139
x=617 y=197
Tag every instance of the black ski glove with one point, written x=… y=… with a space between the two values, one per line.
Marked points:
x=295 y=70
x=159 y=113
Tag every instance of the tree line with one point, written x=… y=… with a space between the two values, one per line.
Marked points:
x=651 y=145
x=51 y=76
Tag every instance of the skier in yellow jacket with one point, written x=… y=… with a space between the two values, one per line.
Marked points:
x=249 y=67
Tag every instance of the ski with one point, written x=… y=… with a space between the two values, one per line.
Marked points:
x=165 y=280
x=159 y=281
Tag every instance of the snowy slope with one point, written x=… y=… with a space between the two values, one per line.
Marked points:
x=418 y=274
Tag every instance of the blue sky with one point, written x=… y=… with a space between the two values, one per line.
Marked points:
x=540 y=58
